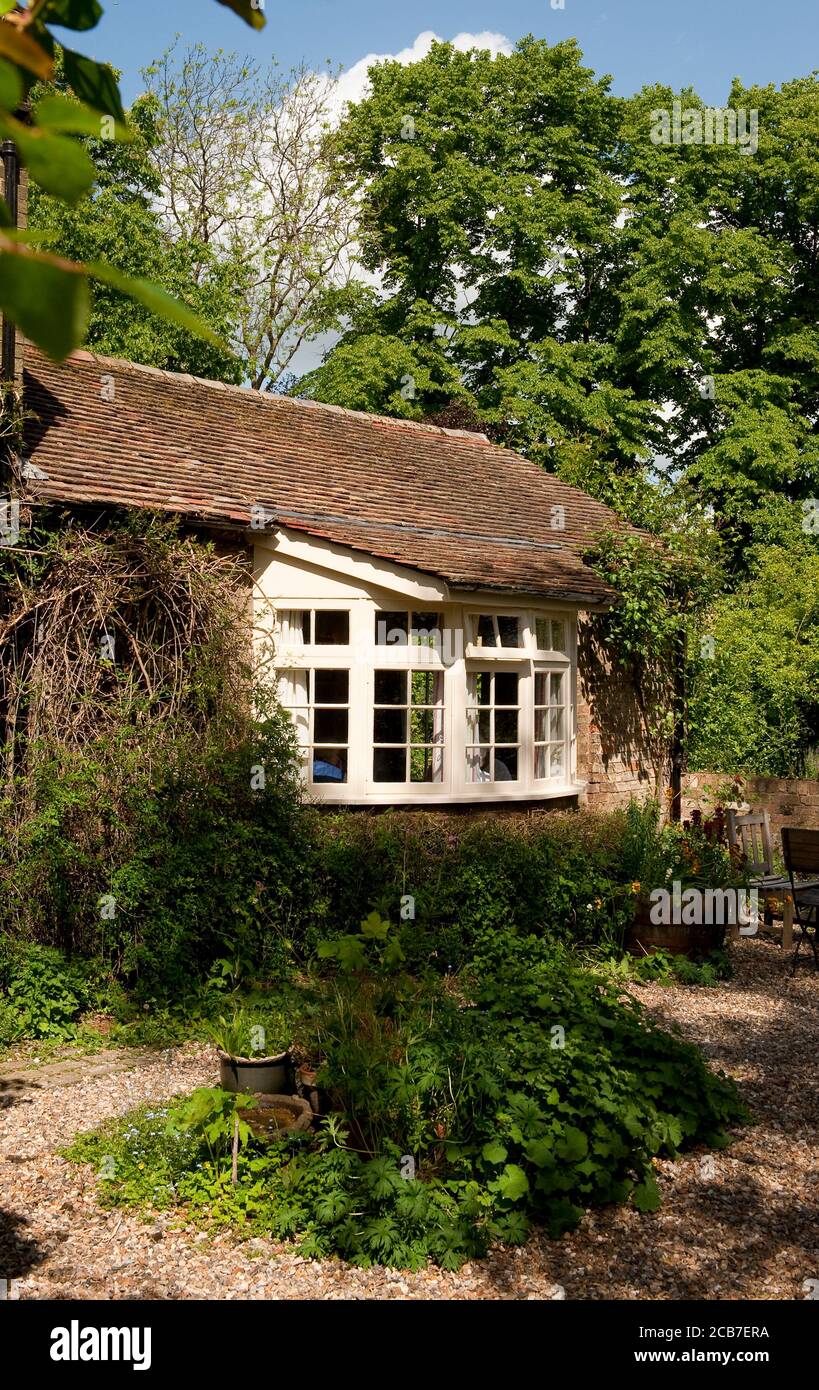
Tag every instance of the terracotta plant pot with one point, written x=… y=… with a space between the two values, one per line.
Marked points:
x=268 y=1076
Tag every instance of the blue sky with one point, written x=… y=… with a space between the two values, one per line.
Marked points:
x=703 y=43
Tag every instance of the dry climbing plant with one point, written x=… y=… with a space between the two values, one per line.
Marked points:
x=131 y=633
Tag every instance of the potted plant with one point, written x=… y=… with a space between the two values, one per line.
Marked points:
x=682 y=861
x=267 y=1075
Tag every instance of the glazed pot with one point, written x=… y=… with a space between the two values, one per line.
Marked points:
x=268 y=1076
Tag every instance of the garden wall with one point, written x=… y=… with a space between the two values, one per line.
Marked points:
x=614 y=753
x=788 y=800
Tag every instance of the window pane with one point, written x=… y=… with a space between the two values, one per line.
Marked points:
x=425 y=726
x=486 y=631
x=506 y=688
x=558 y=768
x=294 y=626
x=332 y=627
x=426 y=765
x=477 y=765
x=391 y=629
x=505 y=765
x=391 y=687
x=480 y=684
x=556 y=690
x=427 y=687
x=509 y=631
x=330 y=726
x=559 y=636
x=556 y=724
x=292 y=687
x=427 y=629
x=480 y=726
x=332 y=687
x=543 y=634
x=541 y=725
x=541 y=688
x=329 y=765
x=389 y=726
x=542 y=761
x=506 y=726
x=389 y=764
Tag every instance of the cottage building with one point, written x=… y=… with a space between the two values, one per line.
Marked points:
x=419 y=595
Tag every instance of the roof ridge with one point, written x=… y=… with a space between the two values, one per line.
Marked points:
x=271 y=397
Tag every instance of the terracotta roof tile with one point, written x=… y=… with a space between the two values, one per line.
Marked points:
x=446 y=502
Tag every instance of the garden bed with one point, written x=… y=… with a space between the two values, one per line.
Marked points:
x=746 y=1231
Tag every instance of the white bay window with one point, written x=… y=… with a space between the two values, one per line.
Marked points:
x=393 y=704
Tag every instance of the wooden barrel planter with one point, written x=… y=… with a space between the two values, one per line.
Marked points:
x=644 y=937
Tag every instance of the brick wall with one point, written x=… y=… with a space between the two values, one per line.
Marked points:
x=788 y=800
x=614 y=754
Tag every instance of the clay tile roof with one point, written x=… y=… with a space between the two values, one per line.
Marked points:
x=446 y=502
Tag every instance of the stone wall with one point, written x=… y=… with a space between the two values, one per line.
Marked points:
x=788 y=800
x=614 y=753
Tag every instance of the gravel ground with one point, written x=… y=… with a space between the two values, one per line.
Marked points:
x=741 y=1223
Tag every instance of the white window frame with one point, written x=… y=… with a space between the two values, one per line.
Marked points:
x=362 y=657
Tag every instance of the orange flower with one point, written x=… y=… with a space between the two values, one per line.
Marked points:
x=635 y=887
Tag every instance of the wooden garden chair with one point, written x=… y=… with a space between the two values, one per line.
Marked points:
x=750 y=836
x=801 y=851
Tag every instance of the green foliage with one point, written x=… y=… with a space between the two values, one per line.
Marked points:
x=754 y=706
x=213 y=1115
x=455 y=1123
x=43 y=993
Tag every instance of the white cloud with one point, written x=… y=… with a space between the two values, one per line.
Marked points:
x=353 y=84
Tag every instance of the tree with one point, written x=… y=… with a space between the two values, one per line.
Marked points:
x=243 y=172
x=754 y=706
x=117 y=222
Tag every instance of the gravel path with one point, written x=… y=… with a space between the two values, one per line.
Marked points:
x=742 y=1223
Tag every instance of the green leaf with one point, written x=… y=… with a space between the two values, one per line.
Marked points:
x=155 y=299
x=540 y=1152
x=393 y=955
x=11 y=86
x=573 y=1146
x=23 y=50
x=94 y=83
x=56 y=162
x=46 y=297
x=513 y=1183
x=493 y=1152
x=562 y=1216
x=250 y=13
x=75 y=14
x=646 y=1197
x=61 y=113
x=375 y=927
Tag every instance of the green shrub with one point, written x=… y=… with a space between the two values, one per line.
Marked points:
x=462 y=1114
x=43 y=993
